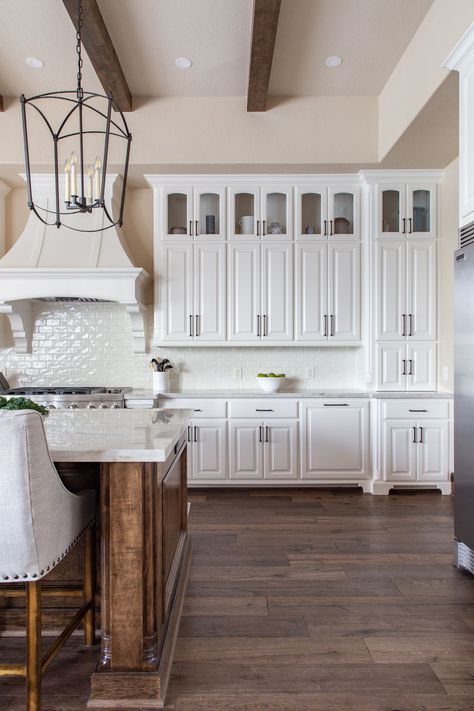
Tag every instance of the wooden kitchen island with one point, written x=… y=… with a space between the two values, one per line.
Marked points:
x=145 y=546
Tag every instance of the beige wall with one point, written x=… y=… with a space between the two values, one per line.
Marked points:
x=448 y=242
x=420 y=70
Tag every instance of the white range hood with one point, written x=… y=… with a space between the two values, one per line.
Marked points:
x=51 y=264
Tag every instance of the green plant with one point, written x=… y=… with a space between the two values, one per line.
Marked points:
x=21 y=403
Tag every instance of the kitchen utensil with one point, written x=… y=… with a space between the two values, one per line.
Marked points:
x=246 y=225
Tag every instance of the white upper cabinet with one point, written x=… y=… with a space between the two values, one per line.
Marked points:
x=406 y=210
x=261 y=212
x=421 y=210
x=210 y=292
x=244 y=319
x=327 y=283
x=175 y=277
x=406 y=289
x=193 y=213
x=192 y=293
x=391 y=210
x=277 y=292
x=327 y=213
x=260 y=292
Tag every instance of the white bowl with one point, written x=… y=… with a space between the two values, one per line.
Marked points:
x=270 y=385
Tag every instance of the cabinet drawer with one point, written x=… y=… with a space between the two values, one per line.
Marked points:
x=205 y=407
x=416 y=409
x=263 y=408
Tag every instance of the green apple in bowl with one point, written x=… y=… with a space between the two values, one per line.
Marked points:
x=270 y=382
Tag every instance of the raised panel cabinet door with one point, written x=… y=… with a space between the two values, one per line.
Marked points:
x=391 y=289
x=177 y=212
x=244 y=212
x=210 y=461
x=244 y=292
x=280 y=449
x=343 y=212
x=399 y=450
x=276 y=212
x=246 y=449
x=432 y=450
x=175 y=272
x=277 y=292
x=311 y=292
x=344 y=292
x=210 y=213
x=392 y=366
x=210 y=292
x=421 y=210
x=335 y=440
x=391 y=218
x=421 y=366
x=421 y=289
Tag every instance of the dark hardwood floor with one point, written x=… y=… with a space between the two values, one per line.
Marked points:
x=308 y=601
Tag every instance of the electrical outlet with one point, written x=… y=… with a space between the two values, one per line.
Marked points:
x=310 y=372
x=237 y=373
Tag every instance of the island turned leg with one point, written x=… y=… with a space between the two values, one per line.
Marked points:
x=139 y=628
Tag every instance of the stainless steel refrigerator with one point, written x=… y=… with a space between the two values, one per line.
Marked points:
x=464 y=401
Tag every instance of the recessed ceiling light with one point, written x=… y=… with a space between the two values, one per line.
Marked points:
x=184 y=62
x=333 y=61
x=35 y=62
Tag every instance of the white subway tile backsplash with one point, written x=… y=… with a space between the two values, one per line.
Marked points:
x=79 y=344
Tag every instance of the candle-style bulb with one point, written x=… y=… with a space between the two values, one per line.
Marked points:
x=67 y=181
x=97 y=163
x=74 y=159
x=67 y=166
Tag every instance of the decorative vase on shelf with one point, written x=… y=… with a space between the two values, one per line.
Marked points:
x=161 y=382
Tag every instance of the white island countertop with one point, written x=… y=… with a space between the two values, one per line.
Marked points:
x=114 y=435
x=148 y=395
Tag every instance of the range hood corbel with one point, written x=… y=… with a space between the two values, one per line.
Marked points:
x=50 y=264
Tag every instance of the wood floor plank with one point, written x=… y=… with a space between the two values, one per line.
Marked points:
x=247 y=626
x=457 y=678
x=242 y=606
x=421 y=647
x=256 y=573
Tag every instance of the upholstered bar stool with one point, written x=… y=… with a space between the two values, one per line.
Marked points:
x=40 y=521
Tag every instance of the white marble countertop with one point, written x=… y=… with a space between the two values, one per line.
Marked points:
x=114 y=435
x=297 y=394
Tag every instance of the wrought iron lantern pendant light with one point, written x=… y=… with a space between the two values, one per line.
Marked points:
x=88 y=124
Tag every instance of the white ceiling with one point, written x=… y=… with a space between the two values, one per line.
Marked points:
x=148 y=35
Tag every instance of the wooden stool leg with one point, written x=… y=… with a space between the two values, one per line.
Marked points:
x=33 y=656
x=89 y=584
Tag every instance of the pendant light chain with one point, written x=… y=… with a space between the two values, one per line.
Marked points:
x=80 y=61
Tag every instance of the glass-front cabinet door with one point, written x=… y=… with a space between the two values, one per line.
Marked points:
x=344 y=212
x=178 y=213
x=209 y=213
x=421 y=211
x=276 y=223
x=311 y=212
x=244 y=212
x=391 y=212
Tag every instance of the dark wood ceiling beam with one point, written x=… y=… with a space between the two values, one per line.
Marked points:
x=101 y=51
x=264 y=29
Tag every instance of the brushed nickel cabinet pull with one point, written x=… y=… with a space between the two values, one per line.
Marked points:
x=404 y=367
x=260 y=409
x=410 y=410
x=198 y=325
x=325 y=228
x=265 y=331
x=404 y=227
x=336 y=404
x=264 y=228
x=414 y=435
x=189 y=433
x=267 y=434
x=421 y=435
x=404 y=324
x=331 y=229
x=195 y=433
x=410 y=230
x=325 y=324
x=258 y=325
x=196 y=228
x=410 y=372
x=258 y=228
x=191 y=325
x=191 y=228
x=260 y=433
x=333 y=320
x=410 y=331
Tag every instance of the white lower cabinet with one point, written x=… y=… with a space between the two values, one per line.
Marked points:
x=263 y=450
x=414 y=449
x=207 y=450
x=335 y=440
